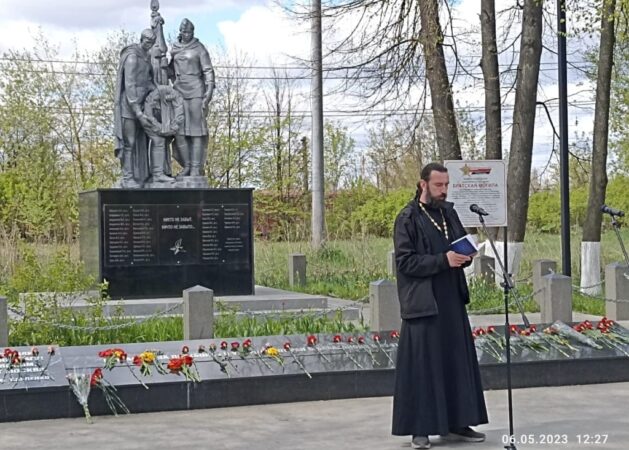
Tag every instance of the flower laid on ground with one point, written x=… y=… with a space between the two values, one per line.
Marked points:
x=110 y=393
x=14 y=361
x=183 y=365
x=201 y=348
x=273 y=353
x=339 y=340
x=51 y=350
x=526 y=338
x=35 y=352
x=604 y=334
x=311 y=341
x=362 y=345
x=221 y=363
x=224 y=345
x=235 y=346
x=81 y=383
x=289 y=348
x=146 y=361
x=377 y=339
x=395 y=334
x=485 y=343
x=185 y=350
x=112 y=357
x=247 y=349
x=571 y=333
x=557 y=342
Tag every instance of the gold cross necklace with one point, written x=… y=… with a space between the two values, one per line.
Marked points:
x=443 y=230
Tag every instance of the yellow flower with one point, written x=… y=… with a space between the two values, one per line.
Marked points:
x=148 y=357
x=272 y=352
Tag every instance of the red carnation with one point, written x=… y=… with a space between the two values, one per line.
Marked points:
x=137 y=360
x=337 y=338
x=395 y=334
x=185 y=350
x=361 y=340
x=235 y=346
x=312 y=340
x=223 y=345
x=350 y=340
x=175 y=364
x=376 y=337
x=287 y=346
x=96 y=377
x=187 y=360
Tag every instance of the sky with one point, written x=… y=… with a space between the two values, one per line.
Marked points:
x=261 y=29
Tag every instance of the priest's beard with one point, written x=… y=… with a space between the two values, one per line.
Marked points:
x=435 y=201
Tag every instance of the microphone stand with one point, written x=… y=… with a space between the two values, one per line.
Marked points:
x=616 y=226
x=507 y=286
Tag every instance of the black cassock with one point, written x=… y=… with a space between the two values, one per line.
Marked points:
x=437 y=379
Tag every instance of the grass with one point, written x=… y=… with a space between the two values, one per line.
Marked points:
x=342 y=269
x=228 y=324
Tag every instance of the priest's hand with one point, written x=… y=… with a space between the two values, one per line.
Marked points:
x=456 y=259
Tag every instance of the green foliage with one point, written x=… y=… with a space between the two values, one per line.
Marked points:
x=544 y=207
x=489 y=298
x=46 y=330
x=58 y=273
x=377 y=216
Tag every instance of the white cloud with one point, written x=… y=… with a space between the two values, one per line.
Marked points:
x=266 y=33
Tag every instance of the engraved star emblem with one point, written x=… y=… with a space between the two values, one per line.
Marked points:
x=466 y=170
x=177 y=248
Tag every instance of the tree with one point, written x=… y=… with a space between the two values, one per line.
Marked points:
x=521 y=150
x=590 y=271
x=338 y=149
x=491 y=78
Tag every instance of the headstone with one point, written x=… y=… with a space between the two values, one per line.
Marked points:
x=297 y=269
x=198 y=313
x=384 y=306
x=156 y=243
x=617 y=289
x=541 y=267
x=484 y=268
x=557 y=298
x=391 y=266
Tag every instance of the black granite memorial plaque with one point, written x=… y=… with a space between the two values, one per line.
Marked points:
x=156 y=243
x=332 y=368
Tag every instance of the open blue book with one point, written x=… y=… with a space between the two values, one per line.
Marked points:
x=464 y=246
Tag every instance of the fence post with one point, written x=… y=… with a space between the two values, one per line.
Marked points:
x=384 y=306
x=391 y=268
x=557 y=298
x=198 y=313
x=541 y=267
x=297 y=269
x=617 y=288
x=4 y=322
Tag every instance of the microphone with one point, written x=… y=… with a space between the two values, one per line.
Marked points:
x=478 y=210
x=611 y=211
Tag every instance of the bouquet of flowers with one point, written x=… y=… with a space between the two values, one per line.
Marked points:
x=112 y=357
x=273 y=353
x=566 y=331
x=109 y=392
x=146 y=361
x=14 y=361
x=183 y=364
x=81 y=383
x=604 y=334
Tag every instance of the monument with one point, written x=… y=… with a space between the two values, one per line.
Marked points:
x=157 y=232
